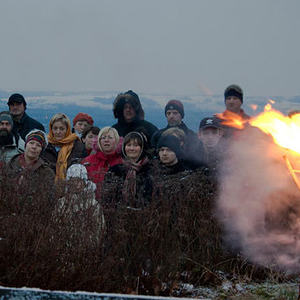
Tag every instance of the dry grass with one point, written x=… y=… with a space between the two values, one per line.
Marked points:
x=47 y=243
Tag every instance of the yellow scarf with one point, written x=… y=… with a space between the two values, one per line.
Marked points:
x=66 y=145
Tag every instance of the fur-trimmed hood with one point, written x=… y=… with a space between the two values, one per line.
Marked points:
x=128 y=97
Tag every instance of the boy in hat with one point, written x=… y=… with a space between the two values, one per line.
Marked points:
x=80 y=122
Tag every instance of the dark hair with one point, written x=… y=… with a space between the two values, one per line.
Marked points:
x=94 y=129
x=141 y=139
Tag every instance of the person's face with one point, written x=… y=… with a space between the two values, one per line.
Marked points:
x=89 y=140
x=59 y=130
x=167 y=156
x=80 y=126
x=173 y=117
x=233 y=104
x=133 y=150
x=5 y=125
x=210 y=136
x=108 y=142
x=128 y=113
x=33 y=150
x=16 y=108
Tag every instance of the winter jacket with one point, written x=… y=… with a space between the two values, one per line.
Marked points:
x=229 y=130
x=39 y=172
x=191 y=138
x=98 y=164
x=124 y=128
x=25 y=125
x=77 y=154
x=113 y=183
x=10 y=147
x=160 y=169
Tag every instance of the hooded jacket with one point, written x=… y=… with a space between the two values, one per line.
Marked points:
x=122 y=126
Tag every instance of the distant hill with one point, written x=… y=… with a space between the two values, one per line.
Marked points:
x=43 y=105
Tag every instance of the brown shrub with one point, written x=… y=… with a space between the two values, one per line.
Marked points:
x=60 y=243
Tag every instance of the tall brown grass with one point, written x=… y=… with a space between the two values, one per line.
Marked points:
x=46 y=243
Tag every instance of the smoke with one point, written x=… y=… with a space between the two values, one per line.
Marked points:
x=259 y=203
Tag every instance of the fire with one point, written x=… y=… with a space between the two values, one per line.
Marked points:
x=232 y=119
x=284 y=130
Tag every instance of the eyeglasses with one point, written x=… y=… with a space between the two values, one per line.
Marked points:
x=103 y=137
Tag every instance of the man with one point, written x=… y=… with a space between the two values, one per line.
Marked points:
x=170 y=155
x=233 y=97
x=23 y=124
x=174 y=112
x=10 y=144
x=212 y=145
x=128 y=110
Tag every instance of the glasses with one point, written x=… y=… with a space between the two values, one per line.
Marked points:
x=103 y=137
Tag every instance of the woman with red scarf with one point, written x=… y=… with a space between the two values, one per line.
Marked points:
x=107 y=156
x=131 y=182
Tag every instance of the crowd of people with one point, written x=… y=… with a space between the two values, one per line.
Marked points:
x=122 y=161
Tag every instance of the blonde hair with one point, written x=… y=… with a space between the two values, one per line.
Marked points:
x=106 y=130
x=60 y=117
x=179 y=133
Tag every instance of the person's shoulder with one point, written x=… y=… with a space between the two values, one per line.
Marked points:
x=27 y=118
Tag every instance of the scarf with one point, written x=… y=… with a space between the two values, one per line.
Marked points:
x=129 y=186
x=66 y=145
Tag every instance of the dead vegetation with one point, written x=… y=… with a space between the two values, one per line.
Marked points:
x=64 y=245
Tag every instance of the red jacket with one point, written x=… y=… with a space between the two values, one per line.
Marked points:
x=98 y=164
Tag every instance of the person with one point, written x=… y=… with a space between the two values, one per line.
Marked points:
x=80 y=122
x=22 y=122
x=107 y=156
x=89 y=138
x=212 y=143
x=170 y=155
x=78 y=211
x=128 y=110
x=64 y=148
x=233 y=97
x=10 y=143
x=131 y=182
x=174 y=112
x=29 y=166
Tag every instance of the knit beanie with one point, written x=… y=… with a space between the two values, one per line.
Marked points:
x=83 y=117
x=171 y=142
x=16 y=98
x=233 y=90
x=37 y=135
x=177 y=105
x=6 y=116
x=77 y=171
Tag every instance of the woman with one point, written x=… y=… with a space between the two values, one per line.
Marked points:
x=107 y=156
x=130 y=182
x=28 y=165
x=64 y=147
x=89 y=138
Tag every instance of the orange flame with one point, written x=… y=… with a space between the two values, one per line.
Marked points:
x=232 y=119
x=284 y=130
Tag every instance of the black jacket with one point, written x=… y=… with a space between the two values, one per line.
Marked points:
x=78 y=152
x=25 y=125
x=124 y=128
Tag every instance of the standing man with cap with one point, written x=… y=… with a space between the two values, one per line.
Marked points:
x=174 y=112
x=23 y=124
x=233 y=97
x=10 y=144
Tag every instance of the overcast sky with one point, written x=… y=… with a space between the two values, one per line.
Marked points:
x=151 y=46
